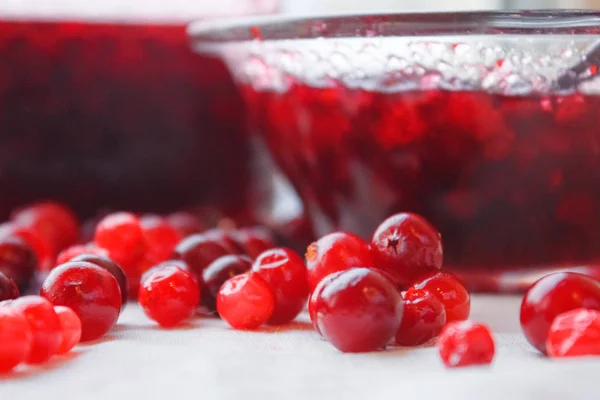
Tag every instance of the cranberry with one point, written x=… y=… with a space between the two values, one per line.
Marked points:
x=121 y=234
x=110 y=266
x=185 y=223
x=245 y=301
x=161 y=238
x=92 y=292
x=198 y=251
x=8 y=288
x=574 y=333
x=254 y=240
x=70 y=327
x=357 y=310
x=169 y=295
x=450 y=291
x=285 y=273
x=71 y=252
x=44 y=325
x=407 y=246
x=15 y=338
x=423 y=319
x=225 y=238
x=464 y=343
x=17 y=261
x=42 y=250
x=219 y=271
x=335 y=252
x=54 y=222
x=551 y=296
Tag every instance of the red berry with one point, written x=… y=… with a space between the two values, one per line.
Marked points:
x=551 y=296
x=245 y=301
x=219 y=271
x=161 y=238
x=110 y=266
x=121 y=234
x=54 y=222
x=70 y=327
x=185 y=223
x=8 y=288
x=423 y=319
x=406 y=246
x=335 y=252
x=169 y=295
x=92 y=292
x=575 y=333
x=464 y=343
x=198 y=251
x=285 y=273
x=17 y=261
x=225 y=238
x=15 y=338
x=253 y=240
x=42 y=250
x=71 y=252
x=450 y=291
x=44 y=325
x=357 y=310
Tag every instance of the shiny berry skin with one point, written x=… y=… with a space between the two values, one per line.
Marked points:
x=245 y=301
x=169 y=295
x=450 y=291
x=71 y=252
x=285 y=273
x=551 y=296
x=253 y=240
x=185 y=223
x=89 y=290
x=406 y=246
x=423 y=319
x=8 y=288
x=160 y=237
x=357 y=310
x=219 y=271
x=42 y=249
x=464 y=343
x=575 y=333
x=110 y=266
x=198 y=251
x=15 y=338
x=225 y=239
x=17 y=261
x=44 y=326
x=335 y=252
x=70 y=327
x=54 y=222
x=121 y=234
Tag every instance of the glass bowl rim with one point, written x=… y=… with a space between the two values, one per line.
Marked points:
x=278 y=27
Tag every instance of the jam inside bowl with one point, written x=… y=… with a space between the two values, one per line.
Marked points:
x=464 y=118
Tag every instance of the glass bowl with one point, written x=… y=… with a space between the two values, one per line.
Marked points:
x=485 y=123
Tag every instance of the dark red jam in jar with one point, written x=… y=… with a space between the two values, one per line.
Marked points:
x=369 y=116
x=109 y=107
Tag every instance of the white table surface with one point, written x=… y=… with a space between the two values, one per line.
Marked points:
x=207 y=360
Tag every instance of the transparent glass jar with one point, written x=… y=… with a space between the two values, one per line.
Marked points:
x=485 y=123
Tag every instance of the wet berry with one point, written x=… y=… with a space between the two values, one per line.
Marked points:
x=44 y=326
x=71 y=252
x=464 y=343
x=357 y=310
x=70 y=327
x=160 y=237
x=551 y=296
x=285 y=273
x=8 y=288
x=15 y=338
x=17 y=261
x=110 y=266
x=575 y=333
x=245 y=301
x=406 y=246
x=450 y=291
x=335 y=252
x=423 y=319
x=198 y=251
x=89 y=290
x=217 y=273
x=169 y=295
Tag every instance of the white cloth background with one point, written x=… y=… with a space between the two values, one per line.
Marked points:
x=207 y=360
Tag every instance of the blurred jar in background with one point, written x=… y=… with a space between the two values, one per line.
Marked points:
x=102 y=104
